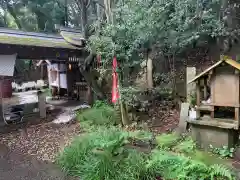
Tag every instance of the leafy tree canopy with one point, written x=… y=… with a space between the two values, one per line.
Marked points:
x=170 y=26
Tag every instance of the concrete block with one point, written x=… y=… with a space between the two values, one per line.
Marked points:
x=217 y=137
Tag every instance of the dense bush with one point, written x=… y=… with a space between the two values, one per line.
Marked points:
x=172 y=166
x=103 y=155
x=100 y=114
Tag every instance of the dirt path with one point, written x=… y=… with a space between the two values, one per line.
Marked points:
x=30 y=156
x=16 y=166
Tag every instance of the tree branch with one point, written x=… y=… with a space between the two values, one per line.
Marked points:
x=78 y=5
x=88 y=4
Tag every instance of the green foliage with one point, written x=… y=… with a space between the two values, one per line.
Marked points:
x=223 y=151
x=141 y=135
x=100 y=104
x=99 y=114
x=166 y=141
x=187 y=146
x=170 y=26
x=34 y=15
x=48 y=92
x=172 y=166
x=101 y=155
x=193 y=99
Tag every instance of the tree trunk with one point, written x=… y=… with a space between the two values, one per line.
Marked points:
x=150 y=73
x=93 y=84
x=108 y=11
x=84 y=17
x=85 y=70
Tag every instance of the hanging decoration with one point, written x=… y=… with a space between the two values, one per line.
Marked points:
x=115 y=90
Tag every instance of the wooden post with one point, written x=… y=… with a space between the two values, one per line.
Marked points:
x=58 y=75
x=42 y=104
x=205 y=88
x=89 y=95
x=237 y=114
x=198 y=94
x=237 y=97
x=42 y=72
x=212 y=92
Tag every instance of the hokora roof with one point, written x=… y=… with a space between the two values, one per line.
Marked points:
x=229 y=61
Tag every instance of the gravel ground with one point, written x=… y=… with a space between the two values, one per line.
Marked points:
x=29 y=154
x=15 y=166
x=42 y=141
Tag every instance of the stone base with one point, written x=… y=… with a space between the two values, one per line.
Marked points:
x=206 y=135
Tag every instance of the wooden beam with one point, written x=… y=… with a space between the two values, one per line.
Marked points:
x=36 y=53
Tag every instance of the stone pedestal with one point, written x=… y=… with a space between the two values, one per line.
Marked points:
x=42 y=104
x=206 y=134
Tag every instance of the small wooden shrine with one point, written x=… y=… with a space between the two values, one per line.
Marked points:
x=217 y=88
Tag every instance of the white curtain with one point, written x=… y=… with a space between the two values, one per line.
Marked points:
x=7 y=64
x=53 y=77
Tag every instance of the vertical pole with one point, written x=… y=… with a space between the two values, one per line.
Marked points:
x=212 y=86
x=58 y=75
x=42 y=104
x=198 y=97
x=237 y=97
x=205 y=89
x=42 y=72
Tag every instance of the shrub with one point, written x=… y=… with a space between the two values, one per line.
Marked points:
x=166 y=141
x=100 y=114
x=187 y=146
x=101 y=155
x=178 y=167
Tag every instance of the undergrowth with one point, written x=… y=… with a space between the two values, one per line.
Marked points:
x=180 y=167
x=223 y=152
x=102 y=155
x=101 y=114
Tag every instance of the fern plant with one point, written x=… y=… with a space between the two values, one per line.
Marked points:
x=100 y=114
x=167 y=141
x=101 y=155
x=187 y=146
x=179 y=167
